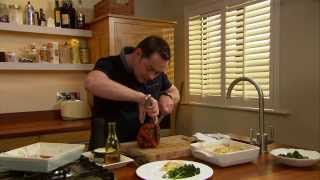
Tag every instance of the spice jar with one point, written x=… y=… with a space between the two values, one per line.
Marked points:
x=44 y=54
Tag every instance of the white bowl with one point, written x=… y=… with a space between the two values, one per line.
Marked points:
x=314 y=157
x=248 y=154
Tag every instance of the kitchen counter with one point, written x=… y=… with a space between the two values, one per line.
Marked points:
x=21 y=129
x=263 y=168
x=37 y=123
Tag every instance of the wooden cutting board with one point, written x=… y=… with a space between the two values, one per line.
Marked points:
x=171 y=147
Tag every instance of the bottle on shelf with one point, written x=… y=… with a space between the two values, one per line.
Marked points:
x=36 y=17
x=112 y=145
x=65 y=15
x=42 y=20
x=57 y=14
x=29 y=14
x=80 y=17
x=73 y=17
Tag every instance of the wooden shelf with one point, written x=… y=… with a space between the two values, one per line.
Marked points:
x=45 y=30
x=43 y=66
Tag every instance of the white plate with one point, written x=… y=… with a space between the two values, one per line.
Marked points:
x=314 y=157
x=152 y=170
x=124 y=160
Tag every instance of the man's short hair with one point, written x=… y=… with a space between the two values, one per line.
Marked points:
x=155 y=44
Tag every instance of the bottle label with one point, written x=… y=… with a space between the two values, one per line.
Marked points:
x=57 y=17
x=65 y=19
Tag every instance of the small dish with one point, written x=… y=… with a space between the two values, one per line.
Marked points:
x=313 y=157
x=124 y=160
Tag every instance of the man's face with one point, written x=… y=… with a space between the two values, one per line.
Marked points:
x=149 y=68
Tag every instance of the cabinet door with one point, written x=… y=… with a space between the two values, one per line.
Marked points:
x=130 y=33
x=98 y=42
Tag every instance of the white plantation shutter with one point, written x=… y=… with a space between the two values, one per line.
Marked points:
x=257 y=47
x=195 y=55
x=205 y=55
x=243 y=51
x=247 y=32
x=234 y=44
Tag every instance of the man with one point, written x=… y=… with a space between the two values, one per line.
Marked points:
x=121 y=83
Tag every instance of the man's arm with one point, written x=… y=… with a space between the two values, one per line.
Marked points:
x=166 y=104
x=99 y=84
x=174 y=93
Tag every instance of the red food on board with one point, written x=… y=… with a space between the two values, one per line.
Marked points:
x=149 y=135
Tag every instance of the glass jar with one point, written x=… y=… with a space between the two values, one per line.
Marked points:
x=84 y=55
x=44 y=54
x=12 y=57
x=15 y=14
x=4 y=13
x=75 y=45
x=65 y=53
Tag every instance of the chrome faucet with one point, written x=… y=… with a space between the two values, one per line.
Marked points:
x=262 y=139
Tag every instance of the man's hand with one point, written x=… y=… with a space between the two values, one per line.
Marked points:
x=152 y=111
x=166 y=105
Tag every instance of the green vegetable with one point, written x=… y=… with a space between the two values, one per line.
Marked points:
x=295 y=155
x=185 y=171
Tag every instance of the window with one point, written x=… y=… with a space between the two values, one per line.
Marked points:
x=227 y=44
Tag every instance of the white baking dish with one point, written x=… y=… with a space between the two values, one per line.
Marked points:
x=40 y=157
x=247 y=153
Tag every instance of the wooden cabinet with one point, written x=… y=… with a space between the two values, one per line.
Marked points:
x=113 y=32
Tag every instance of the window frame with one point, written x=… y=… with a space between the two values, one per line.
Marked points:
x=219 y=6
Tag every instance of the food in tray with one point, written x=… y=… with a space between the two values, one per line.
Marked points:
x=295 y=154
x=227 y=149
x=179 y=170
x=224 y=148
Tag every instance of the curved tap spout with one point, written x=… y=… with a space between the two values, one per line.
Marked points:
x=261 y=137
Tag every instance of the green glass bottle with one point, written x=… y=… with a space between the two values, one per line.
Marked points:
x=112 y=145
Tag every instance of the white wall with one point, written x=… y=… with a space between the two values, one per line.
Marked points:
x=299 y=80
